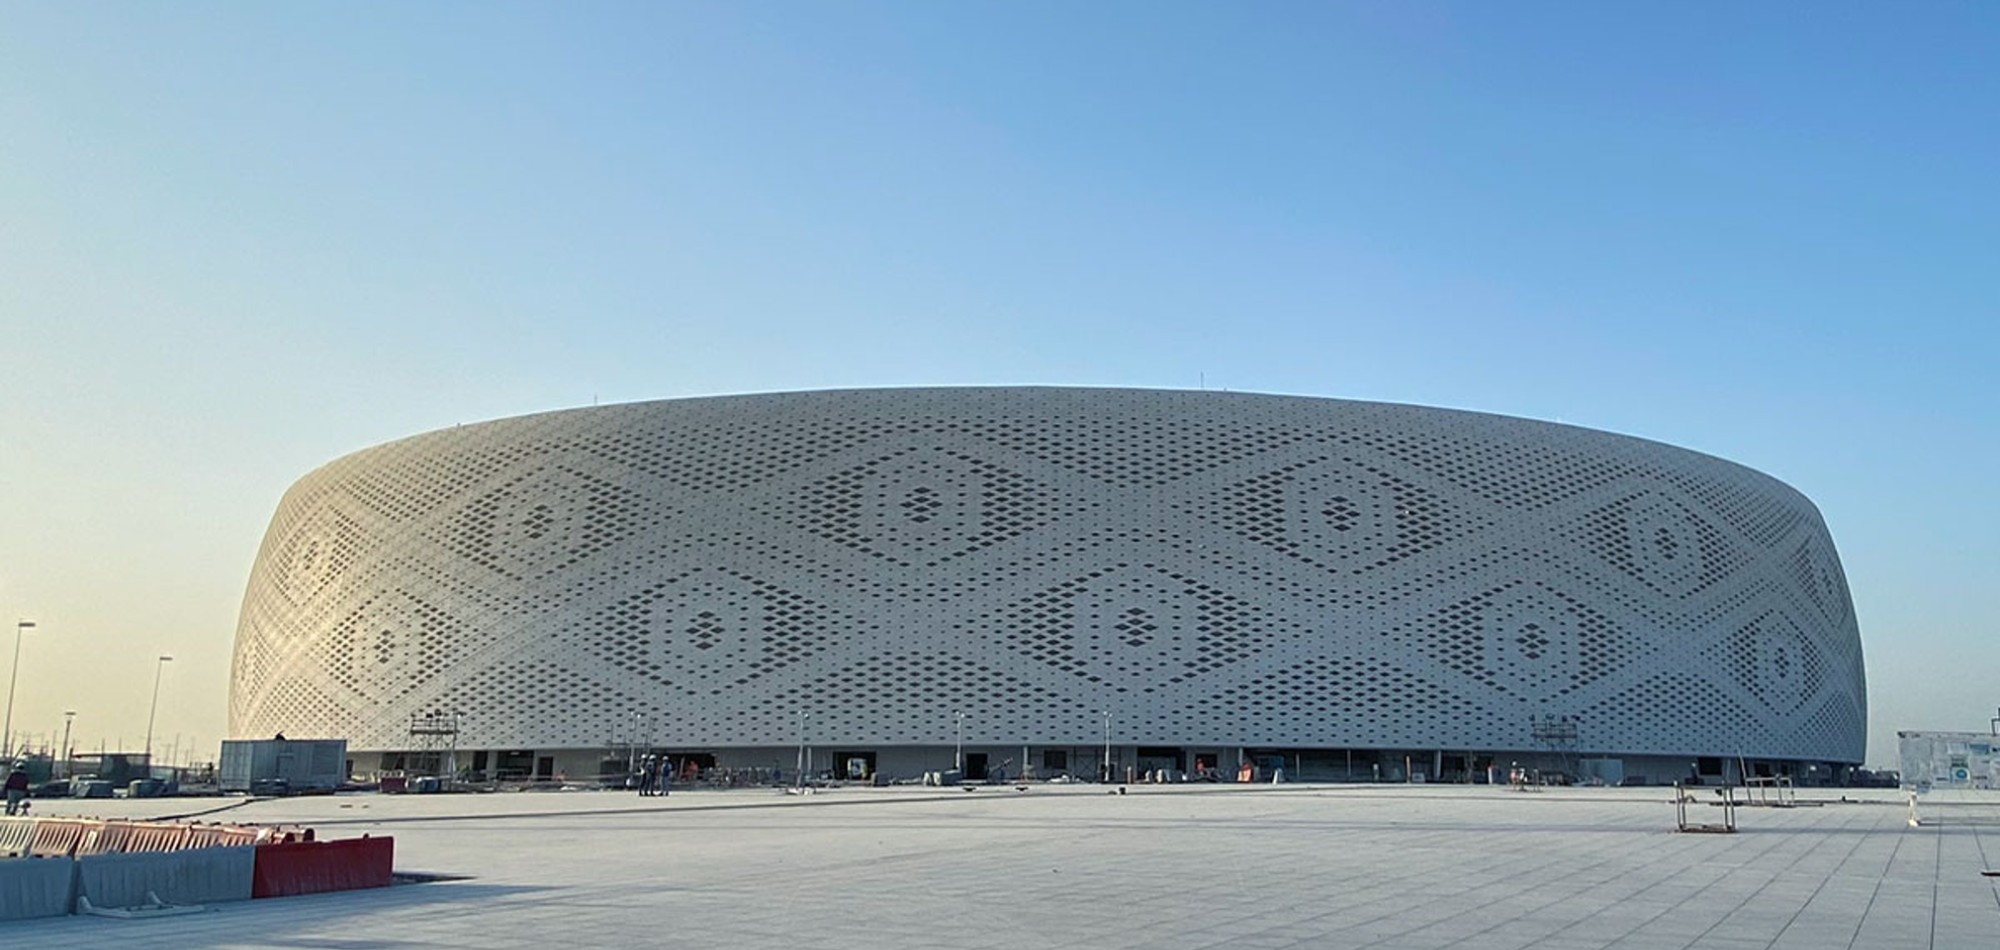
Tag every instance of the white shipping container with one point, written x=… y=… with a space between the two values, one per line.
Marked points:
x=303 y=764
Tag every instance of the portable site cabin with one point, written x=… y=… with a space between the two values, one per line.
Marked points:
x=302 y=764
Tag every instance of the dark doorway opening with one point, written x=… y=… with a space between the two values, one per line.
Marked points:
x=514 y=766
x=688 y=765
x=975 y=766
x=854 y=766
x=1160 y=760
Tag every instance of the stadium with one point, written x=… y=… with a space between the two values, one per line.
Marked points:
x=879 y=584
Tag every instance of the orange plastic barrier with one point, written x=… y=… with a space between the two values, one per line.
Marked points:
x=108 y=837
x=153 y=836
x=211 y=836
x=84 y=837
x=16 y=835
x=60 y=837
x=313 y=867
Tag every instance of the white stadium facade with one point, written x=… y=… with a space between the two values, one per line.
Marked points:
x=893 y=582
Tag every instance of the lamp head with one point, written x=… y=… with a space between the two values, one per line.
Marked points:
x=25 y=624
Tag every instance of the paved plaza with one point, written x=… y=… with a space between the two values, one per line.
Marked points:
x=1404 y=867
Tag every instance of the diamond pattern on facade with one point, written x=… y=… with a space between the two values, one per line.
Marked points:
x=1659 y=542
x=545 y=519
x=392 y=642
x=1132 y=627
x=921 y=506
x=1773 y=661
x=323 y=549
x=708 y=630
x=1818 y=576
x=1528 y=640
x=1342 y=515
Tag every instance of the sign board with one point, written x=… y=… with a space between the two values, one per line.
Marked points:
x=1949 y=759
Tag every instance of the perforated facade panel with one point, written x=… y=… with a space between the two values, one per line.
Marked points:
x=1216 y=568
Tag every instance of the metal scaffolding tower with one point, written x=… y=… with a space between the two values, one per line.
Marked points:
x=1558 y=735
x=434 y=741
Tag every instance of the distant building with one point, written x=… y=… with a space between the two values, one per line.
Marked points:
x=891 y=577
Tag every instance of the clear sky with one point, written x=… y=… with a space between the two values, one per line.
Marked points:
x=238 y=240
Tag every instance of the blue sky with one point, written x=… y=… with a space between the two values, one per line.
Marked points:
x=238 y=240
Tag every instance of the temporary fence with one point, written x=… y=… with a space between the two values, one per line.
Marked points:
x=61 y=864
x=80 y=837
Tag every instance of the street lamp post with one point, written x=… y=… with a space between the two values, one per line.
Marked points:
x=158 y=668
x=69 y=716
x=802 y=750
x=7 y=740
x=1107 y=744
x=958 y=750
x=632 y=748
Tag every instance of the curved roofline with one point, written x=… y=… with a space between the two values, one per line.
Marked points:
x=1199 y=393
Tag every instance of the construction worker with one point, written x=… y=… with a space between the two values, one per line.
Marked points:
x=17 y=789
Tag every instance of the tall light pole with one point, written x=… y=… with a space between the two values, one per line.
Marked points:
x=958 y=750
x=802 y=749
x=69 y=716
x=158 y=668
x=1107 y=744
x=632 y=747
x=7 y=742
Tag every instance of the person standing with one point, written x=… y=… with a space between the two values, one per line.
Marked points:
x=645 y=776
x=17 y=789
x=666 y=774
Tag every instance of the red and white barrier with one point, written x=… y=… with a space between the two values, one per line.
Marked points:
x=314 y=867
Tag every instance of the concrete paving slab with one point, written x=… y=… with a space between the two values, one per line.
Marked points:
x=1413 y=867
